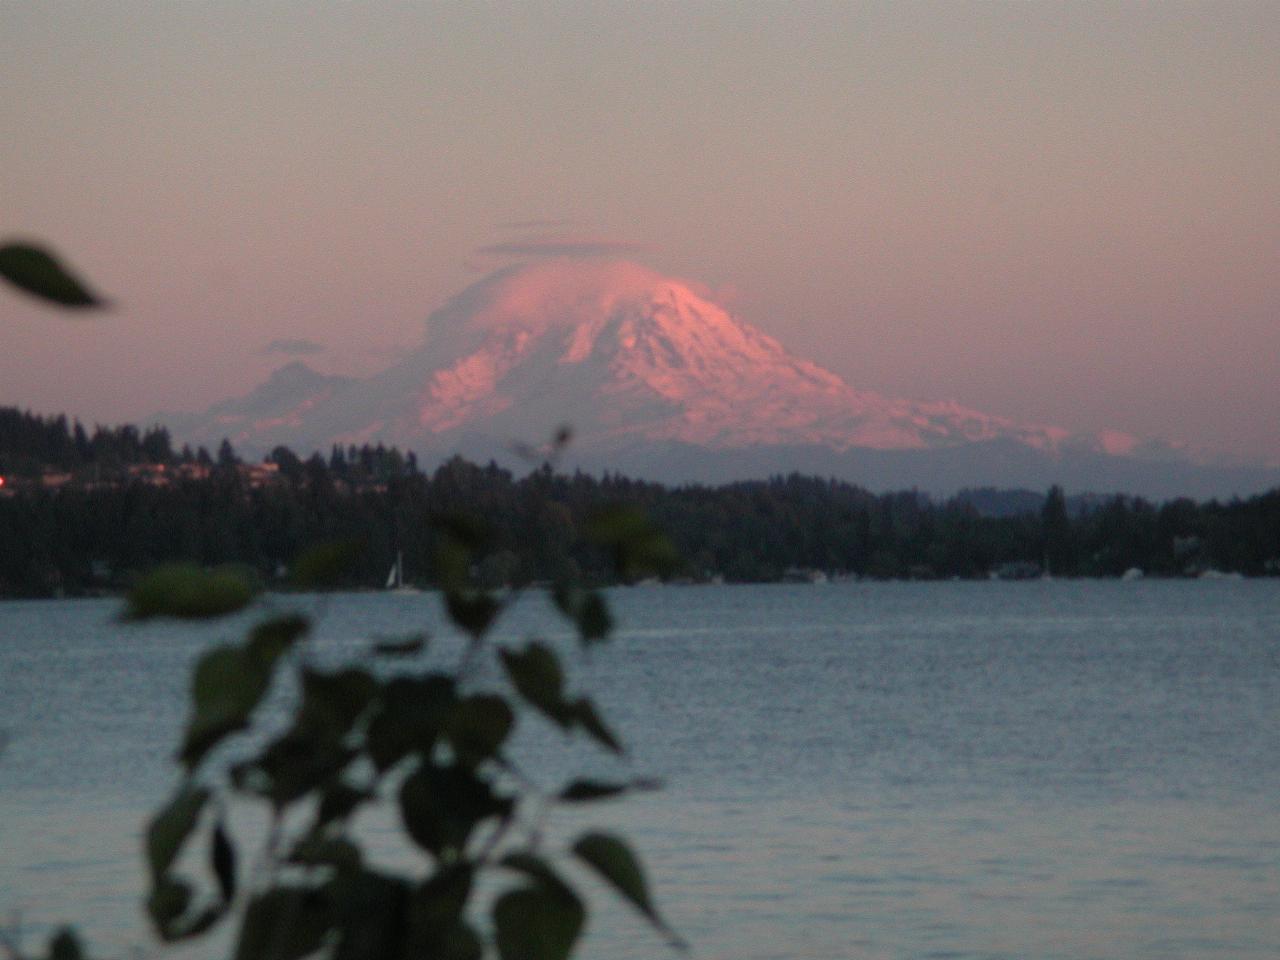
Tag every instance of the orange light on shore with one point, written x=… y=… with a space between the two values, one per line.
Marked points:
x=1 y=480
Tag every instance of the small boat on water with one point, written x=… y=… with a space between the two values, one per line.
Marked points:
x=395 y=579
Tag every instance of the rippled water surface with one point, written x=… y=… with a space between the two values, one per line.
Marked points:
x=966 y=770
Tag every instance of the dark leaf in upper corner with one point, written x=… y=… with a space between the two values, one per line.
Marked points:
x=37 y=271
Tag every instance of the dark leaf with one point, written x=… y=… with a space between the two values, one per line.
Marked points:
x=403 y=647
x=369 y=910
x=441 y=806
x=437 y=928
x=472 y=610
x=229 y=682
x=613 y=860
x=166 y=905
x=537 y=923
x=535 y=673
x=293 y=765
x=268 y=640
x=339 y=801
x=65 y=945
x=222 y=857
x=414 y=711
x=327 y=564
x=536 y=869
x=284 y=923
x=189 y=593
x=587 y=609
x=38 y=272
x=585 y=715
x=580 y=791
x=593 y=619
x=170 y=828
x=333 y=702
x=326 y=852
x=479 y=725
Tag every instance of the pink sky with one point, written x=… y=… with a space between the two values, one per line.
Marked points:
x=1064 y=213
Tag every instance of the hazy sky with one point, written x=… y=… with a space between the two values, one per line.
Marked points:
x=1064 y=212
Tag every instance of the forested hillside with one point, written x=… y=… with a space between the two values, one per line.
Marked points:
x=85 y=512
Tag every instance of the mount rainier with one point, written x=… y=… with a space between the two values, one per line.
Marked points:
x=660 y=382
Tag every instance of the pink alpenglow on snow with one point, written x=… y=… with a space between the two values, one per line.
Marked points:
x=626 y=355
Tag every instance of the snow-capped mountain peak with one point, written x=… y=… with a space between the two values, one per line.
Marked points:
x=642 y=365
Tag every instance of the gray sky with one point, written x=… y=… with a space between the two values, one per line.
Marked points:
x=1066 y=213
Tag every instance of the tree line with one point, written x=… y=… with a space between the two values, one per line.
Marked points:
x=98 y=535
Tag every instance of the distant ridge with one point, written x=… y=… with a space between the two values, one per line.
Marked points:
x=660 y=382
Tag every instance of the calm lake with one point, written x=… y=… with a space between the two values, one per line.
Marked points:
x=962 y=770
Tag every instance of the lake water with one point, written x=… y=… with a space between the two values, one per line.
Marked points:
x=937 y=770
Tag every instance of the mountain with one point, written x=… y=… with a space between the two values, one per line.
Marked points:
x=657 y=380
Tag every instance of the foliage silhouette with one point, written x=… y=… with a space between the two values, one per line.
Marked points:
x=387 y=732
x=424 y=741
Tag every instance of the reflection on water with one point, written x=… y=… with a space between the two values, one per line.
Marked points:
x=903 y=770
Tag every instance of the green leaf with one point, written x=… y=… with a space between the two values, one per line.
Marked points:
x=414 y=711
x=333 y=702
x=171 y=827
x=284 y=923
x=441 y=806
x=339 y=801
x=327 y=564
x=37 y=271
x=587 y=609
x=536 y=869
x=403 y=647
x=480 y=724
x=222 y=858
x=326 y=852
x=582 y=791
x=290 y=767
x=537 y=923
x=189 y=593
x=229 y=683
x=369 y=910
x=535 y=673
x=612 y=859
x=594 y=621
x=269 y=639
x=437 y=928
x=472 y=610
x=586 y=717
x=166 y=905
x=65 y=945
